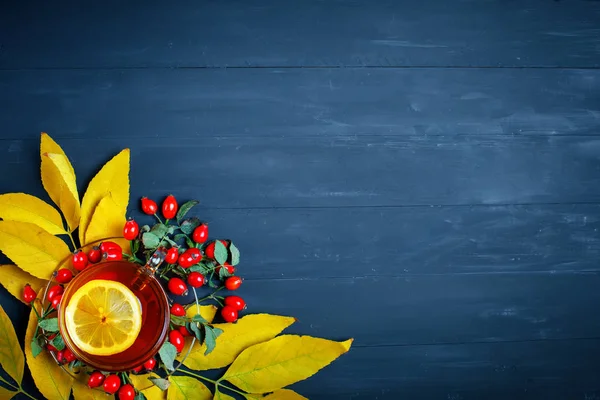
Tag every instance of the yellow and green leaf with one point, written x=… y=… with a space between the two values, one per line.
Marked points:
x=11 y=355
x=14 y=279
x=222 y=396
x=284 y=394
x=112 y=180
x=81 y=391
x=31 y=248
x=107 y=221
x=184 y=388
x=6 y=394
x=141 y=383
x=50 y=379
x=207 y=312
x=58 y=178
x=247 y=331
x=282 y=361
x=26 y=208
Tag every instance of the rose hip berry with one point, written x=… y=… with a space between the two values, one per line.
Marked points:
x=149 y=206
x=64 y=275
x=177 y=340
x=184 y=332
x=96 y=379
x=127 y=392
x=177 y=310
x=112 y=383
x=169 y=207
x=185 y=260
x=229 y=314
x=230 y=268
x=236 y=302
x=233 y=282
x=80 y=260
x=200 y=234
x=138 y=369
x=177 y=286
x=105 y=246
x=54 y=291
x=68 y=355
x=29 y=294
x=131 y=230
x=95 y=255
x=60 y=356
x=112 y=254
x=56 y=301
x=210 y=249
x=172 y=255
x=195 y=279
x=150 y=364
x=195 y=253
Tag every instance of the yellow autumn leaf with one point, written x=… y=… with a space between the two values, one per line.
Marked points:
x=11 y=355
x=141 y=382
x=6 y=394
x=14 y=279
x=26 y=208
x=222 y=396
x=207 y=312
x=112 y=180
x=247 y=331
x=58 y=178
x=107 y=221
x=81 y=391
x=184 y=388
x=282 y=361
x=284 y=394
x=50 y=379
x=32 y=248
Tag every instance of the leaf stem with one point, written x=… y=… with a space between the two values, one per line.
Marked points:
x=216 y=383
x=8 y=384
x=26 y=394
x=72 y=240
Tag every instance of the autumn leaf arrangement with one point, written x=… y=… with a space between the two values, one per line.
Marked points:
x=206 y=328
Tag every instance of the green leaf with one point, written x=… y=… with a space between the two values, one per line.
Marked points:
x=185 y=207
x=172 y=243
x=136 y=246
x=145 y=228
x=193 y=328
x=36 y=349
x=150 y=240
x=171 y=230
x=162 y=384
x=140 y=396
x=199 y=268
x=220 y=252
x=180 y=236
x=167 y=354
x=235 y=254
x=160 y=230
x=178 y=320
x=50 y=325
x=187 y=226
x=58 y=342
x=224 y=273
x=211 y=338
x=212 y=284
x=199 y=318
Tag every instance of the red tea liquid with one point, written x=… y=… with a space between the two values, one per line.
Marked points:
x=155 y=314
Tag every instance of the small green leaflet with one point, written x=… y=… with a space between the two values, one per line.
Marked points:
x=192 y=327
x=224 y=273
x=36 y=349
x=50 y=325
x=211 y=338
x=199 y=318
x=199 y=268
x=160 y=230
x=150 y=240
x=58 y=342
x=187 y=226
x=162 y=384
x=178 y=320
x=145 y=228
x=180 y=236
x=140 y=396
x=235 y=254
x=185 y=207
x=220 y=252
x=167 y=354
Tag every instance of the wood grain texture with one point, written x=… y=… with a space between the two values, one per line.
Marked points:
x=553 y=370
x=314 y=33
x=335 y=172
x=275 y=103
x=435 y=309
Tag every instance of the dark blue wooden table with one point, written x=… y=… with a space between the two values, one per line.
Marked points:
x=421 y=176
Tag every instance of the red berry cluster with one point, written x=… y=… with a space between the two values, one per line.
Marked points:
x=112 y=384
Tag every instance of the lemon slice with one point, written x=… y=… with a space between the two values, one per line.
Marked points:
x=103 y=317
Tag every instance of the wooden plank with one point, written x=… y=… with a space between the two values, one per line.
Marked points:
x=335 y=172
x=351 y=242
x=554 y=370
x=434 y=309
x=312 y=33
x=299 y=102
